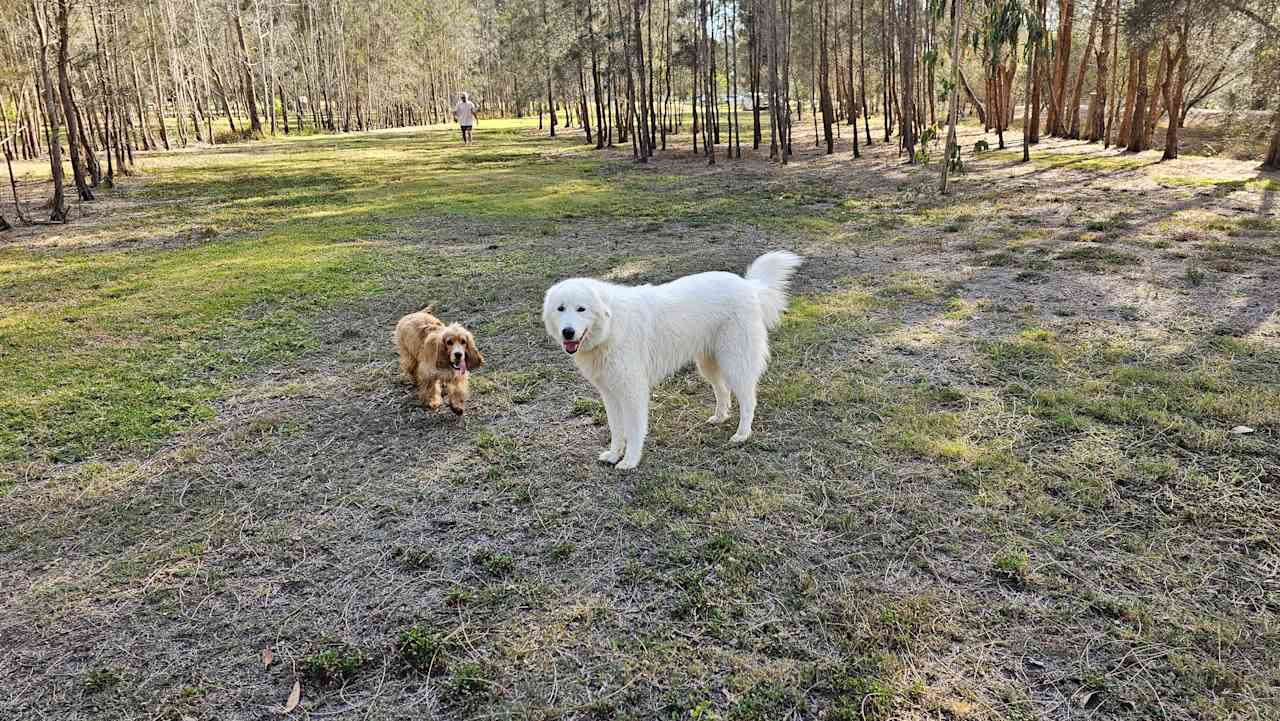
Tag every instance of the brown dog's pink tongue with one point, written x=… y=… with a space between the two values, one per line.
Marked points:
x=462 y=366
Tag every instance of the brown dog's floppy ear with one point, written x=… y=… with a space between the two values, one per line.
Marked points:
x=443 y=341
x=432 y=352
x=474 y=359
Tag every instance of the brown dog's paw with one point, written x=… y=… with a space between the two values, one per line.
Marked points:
x=458 y=410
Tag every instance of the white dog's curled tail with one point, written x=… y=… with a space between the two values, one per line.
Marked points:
x=772 y=272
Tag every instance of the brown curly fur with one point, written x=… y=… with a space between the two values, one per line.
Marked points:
x=428 y=351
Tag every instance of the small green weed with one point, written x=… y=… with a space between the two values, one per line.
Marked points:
x=496 y=564
x=333 y=666
x=415 y=557
x=470 y=684
x=591 y=408
x=423 y=651
x=1012 y=566
x=99 y=680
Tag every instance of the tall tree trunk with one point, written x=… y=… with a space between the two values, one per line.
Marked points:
x=1036 y=80
x=695 y=78
x=1027 y=127
x=1096 y=126
x=953 y=97
x=546 y=52
x=255 y=123
x=907 y=64
x=107 y=127
x=1073 y=109
x=595 y=75
x=1130 y=95
x=1114 y=90
x=284 y=109
x=886 y=69
x=1156 y=106
x=1062 y=67
x=124 y=139
x=1272 y=161
x=154 y=65
x=973 y=99
x=754 y=55
x=91 y=160
x=706 y=49
x=140 y=100
x=1175 y=81
x=582 y=88
x=862 y=70
x=69 y=105
x=59 y=210
x=737 y=121
x=653 y=112
x=1138 y=118
x=824 y=77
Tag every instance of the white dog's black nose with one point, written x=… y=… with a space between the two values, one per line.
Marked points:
x=567 y=333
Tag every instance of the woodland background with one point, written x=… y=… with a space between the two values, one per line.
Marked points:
x=90 y=83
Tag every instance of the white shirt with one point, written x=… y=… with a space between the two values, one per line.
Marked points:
x=465 y=113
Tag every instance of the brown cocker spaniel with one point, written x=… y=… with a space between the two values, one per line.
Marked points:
x=437 y=357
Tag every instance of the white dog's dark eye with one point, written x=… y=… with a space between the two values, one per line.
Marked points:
x=560 y=309
x=581 y=309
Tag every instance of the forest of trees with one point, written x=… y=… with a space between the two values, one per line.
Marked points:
x=89 y=83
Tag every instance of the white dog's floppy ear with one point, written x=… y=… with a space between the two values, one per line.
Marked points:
x=605 y=310
x=546 y=314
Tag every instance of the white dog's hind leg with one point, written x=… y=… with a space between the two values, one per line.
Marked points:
x=742 y=358
x=635 y=424
x=710 y=370
x=746 y=411
x=617 y=441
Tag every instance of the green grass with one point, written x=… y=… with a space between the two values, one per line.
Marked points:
x=333 y=666
x=108 y=345
x=1077 y=161
x=1256 y=184
x=1097 y=258
x=424 y=651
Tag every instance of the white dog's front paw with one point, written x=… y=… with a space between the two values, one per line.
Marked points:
x=716 y=418
x=740 y=437
x=627 y=464
x=610 y=456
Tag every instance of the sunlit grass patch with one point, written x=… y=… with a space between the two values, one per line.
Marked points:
x=819 y=320
x=1253 y=184
x=964 y=308
x=1077 y=161
x=1037 y=346
x=1097 y=258
x=912 y=286
x=139 y=342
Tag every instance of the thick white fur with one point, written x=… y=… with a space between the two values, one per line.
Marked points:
x=632 y=338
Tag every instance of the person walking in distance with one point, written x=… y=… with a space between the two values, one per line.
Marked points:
x=465 y=114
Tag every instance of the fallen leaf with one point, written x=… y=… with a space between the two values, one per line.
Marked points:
x=1090 y=699
x=1241 y=430
x=266 y=658
x=1033 y=663
x=294 y=697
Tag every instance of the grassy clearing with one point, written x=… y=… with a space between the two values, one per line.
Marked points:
x=998 y=471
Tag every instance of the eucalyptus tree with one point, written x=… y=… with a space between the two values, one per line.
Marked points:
x=997 y=37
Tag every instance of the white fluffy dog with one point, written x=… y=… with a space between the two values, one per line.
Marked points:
x=626 y=340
